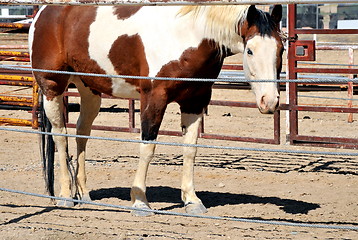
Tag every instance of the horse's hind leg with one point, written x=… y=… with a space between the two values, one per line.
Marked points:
x=190 y=125
x=54 y=111
x=90 y=105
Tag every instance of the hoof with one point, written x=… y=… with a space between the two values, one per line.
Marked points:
x=85 y=198
x=139 y=213
x=65 y=203
x=195 y=208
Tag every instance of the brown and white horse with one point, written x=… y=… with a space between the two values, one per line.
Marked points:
x=168 y=41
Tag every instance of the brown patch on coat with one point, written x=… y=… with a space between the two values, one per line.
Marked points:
x=48 y=52
x=76 y=46
x=128 y=58
x=124 y=12
x=204 y=61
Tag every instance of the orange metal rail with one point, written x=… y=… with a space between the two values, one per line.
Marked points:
x=14 y=102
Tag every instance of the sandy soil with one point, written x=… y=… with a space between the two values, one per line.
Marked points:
x=288 y=188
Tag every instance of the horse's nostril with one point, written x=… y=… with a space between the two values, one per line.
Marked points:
x=263 y=103
x=263 y=100
x=277 y=104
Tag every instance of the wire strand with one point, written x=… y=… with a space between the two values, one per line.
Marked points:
x=181 y=79
x=268 y=222
x=185 y=144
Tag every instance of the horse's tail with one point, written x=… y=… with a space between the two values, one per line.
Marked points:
x=47 y=149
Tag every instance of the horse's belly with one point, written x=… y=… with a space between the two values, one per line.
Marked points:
x=123 y=89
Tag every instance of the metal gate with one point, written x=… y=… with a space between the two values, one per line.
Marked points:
x=305 y=51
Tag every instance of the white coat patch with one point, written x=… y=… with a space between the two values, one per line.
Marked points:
x=165 y=37
x=32 y=30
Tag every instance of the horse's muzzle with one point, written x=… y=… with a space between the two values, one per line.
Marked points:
x=268 y=106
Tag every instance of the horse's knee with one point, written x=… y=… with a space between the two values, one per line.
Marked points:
x=149 y=131
x=146 y=151
x=190 y=125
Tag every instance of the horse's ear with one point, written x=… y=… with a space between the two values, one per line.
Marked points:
x=276 y=14
x=251 y=14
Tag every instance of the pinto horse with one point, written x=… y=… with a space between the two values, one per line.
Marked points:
x=168 y=41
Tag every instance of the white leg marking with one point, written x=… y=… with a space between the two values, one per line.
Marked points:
x=190 y=124
x=90 y=105
x=139 y=186
x=54 y=112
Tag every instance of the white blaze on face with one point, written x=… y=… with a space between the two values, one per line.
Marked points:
x=164 y=40
x=260 y=56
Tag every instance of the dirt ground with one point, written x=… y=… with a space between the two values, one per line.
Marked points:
x=283 y=187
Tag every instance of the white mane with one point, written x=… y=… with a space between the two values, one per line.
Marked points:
x=221 y=22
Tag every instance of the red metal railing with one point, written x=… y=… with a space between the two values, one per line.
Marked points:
x=293 y=106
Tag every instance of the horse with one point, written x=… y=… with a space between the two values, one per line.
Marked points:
x=160 y=41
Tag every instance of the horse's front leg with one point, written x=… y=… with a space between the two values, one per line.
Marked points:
x=190 y=125
x=152 y=112
x=138 y=190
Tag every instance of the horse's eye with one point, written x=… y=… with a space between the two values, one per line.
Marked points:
x=249 y=51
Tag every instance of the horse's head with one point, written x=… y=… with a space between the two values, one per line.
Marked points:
x=263 y=50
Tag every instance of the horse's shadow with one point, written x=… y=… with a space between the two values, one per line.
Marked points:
x=210 y=199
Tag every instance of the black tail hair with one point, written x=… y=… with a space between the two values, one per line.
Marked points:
x=47 y=149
